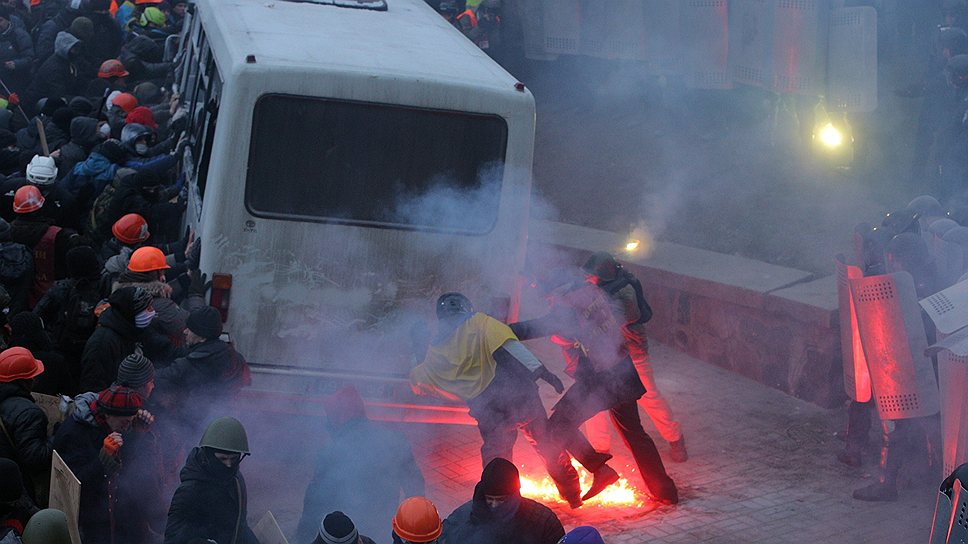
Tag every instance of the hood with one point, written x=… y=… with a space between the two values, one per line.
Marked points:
x=15 y=260
x=84 y=132
x=118 y=263
x=144 y=48
x=10 y=390
x=201 y=466
x=97 y=166
x=63 y=44
x=208 y=348
x=82 y=408
x=132 y=132
x=113 y=319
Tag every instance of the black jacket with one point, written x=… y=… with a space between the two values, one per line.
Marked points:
x=142 y=58
x=115 y=338
x=107 y=37
x=16 y=46
x=48 y=31
x=83 y=139
x=16 y=274
x=362 y=472
x=58 y=75
x=473 y=523
x=27 y=425
x=210 y=503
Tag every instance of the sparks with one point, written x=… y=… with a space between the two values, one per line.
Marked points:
x=632 y=245
x=619 y=494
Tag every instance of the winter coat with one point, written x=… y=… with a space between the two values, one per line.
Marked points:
x=78 y=441
x=361 y=471
x=16 y=274
x=107 y=37
x=29 y=229
x=26 y=423
x=28 y=138
x=57 y=303
x=16 y=46
x=84 y=137
x=58 y=75
x=170 y=318
x=473 y=523
x=88 y=179
x=48 y=32
x=115 y=338
x=125 y=196
x=142 y=58
x=211 y=503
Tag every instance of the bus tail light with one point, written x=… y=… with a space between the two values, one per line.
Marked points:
x=221 y=293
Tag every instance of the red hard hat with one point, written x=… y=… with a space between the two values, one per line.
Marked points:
x=125 y=101
x=417 y=520
x=142 y=116
x=131 y=229
x=147 y=259
x=19 y=364
x=27 y=199
x=112 y=68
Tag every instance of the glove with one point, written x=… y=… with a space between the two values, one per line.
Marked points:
x=546 y=375
x=13 y=99
x=198 y=285
x=194 y=256
x=112 y=443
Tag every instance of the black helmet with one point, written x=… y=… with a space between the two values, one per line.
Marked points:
x=602 y=265
x=925 y=206
x=900 y=222
x=451 y=304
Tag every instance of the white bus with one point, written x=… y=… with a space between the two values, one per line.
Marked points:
x=348 y=162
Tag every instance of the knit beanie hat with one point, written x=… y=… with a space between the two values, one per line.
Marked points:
x=82 y=262
x=12 y=484
x=338 y=528
x=80 y=105
x=4 y=230
x=82 y=28
x=135 y=371
x=500 y=477
x=118 y=400
x=205 y=322
x=582 y=535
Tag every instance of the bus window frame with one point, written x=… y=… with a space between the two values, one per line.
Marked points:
x=203 y=90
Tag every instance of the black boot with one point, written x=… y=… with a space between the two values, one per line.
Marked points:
x=604 y=477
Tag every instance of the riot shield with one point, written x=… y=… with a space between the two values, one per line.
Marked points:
x=531 y=15
x=267 y=531
x=958 y=532
x=857 y=379
x=663 y=42
x=852 y=60
x=562 y=26
x=948 y=308
x=953 y=377
x=942 y=520
x=704 y=26
x=65 y=494
x=894 y=342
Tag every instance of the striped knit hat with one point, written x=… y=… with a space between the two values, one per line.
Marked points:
x=135 y=371
x=338 y=528
x=118 y=400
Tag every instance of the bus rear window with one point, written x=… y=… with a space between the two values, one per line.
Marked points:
x=314 y=159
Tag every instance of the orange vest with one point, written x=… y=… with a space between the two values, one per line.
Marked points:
x=469 y=13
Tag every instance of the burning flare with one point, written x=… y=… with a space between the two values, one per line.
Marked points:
x=618 y=494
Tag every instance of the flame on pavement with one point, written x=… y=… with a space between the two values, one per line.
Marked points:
x=620 y=493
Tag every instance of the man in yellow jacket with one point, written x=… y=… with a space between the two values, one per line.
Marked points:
x=477 y=359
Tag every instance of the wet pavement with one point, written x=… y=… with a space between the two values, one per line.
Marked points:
x=762 y=468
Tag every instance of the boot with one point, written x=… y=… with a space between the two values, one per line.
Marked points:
x=677 y=450
x=603 y=477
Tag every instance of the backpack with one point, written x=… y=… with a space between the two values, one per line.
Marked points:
x=81 y=313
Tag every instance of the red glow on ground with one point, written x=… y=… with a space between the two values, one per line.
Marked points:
x=620 y=493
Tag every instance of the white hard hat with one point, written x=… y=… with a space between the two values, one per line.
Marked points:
x=41 y=170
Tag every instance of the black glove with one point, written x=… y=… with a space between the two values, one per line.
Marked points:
x=198 y=285
x=194 y=257
x=544 y=374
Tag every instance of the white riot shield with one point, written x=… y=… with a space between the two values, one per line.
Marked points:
x=626 y=20
x=857 y=379
x=663 y=43
x=894 y=343
x=942 y=520
x=562 y=26
x=799 y=54
x=267 y=531
x=751 y=42
x=594 y=29
x=948 y=308
x=852 y=60
x=958 y=532
x=704 y=26
x=956 y=252
x=65 y=494
x=953 y=377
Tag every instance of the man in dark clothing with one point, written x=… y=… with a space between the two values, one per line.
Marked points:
x=498 y=512
x=362 y=470
x=338 y=528
x=143 y=59
x=119 y=331
x=49 y=243
x=16 y=53
x=85 y=135
x=211 y=501
x=15 y=507
x=132 y=192
x=90 y=442
x=48 y=31
x=24 y=424
x=16 y=268
x=27 y=331
x=107 y=32
x=90 y=176
x=58 y=75
x=591 y=338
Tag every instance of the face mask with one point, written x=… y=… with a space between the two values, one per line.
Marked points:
x=104 y=130
x=141 y=149
x=143 y=319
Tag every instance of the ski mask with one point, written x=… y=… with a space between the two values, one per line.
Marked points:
x=144 y=317
x=215 y=467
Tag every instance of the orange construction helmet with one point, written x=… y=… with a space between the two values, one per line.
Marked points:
x=140 y=2
x=19 y=364
x=131 y=229
x=112 y=68
x=125 y=101
x=27 y=199
x=417 y=520
x=147 y=259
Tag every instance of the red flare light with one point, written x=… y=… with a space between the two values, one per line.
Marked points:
x=620 y=493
